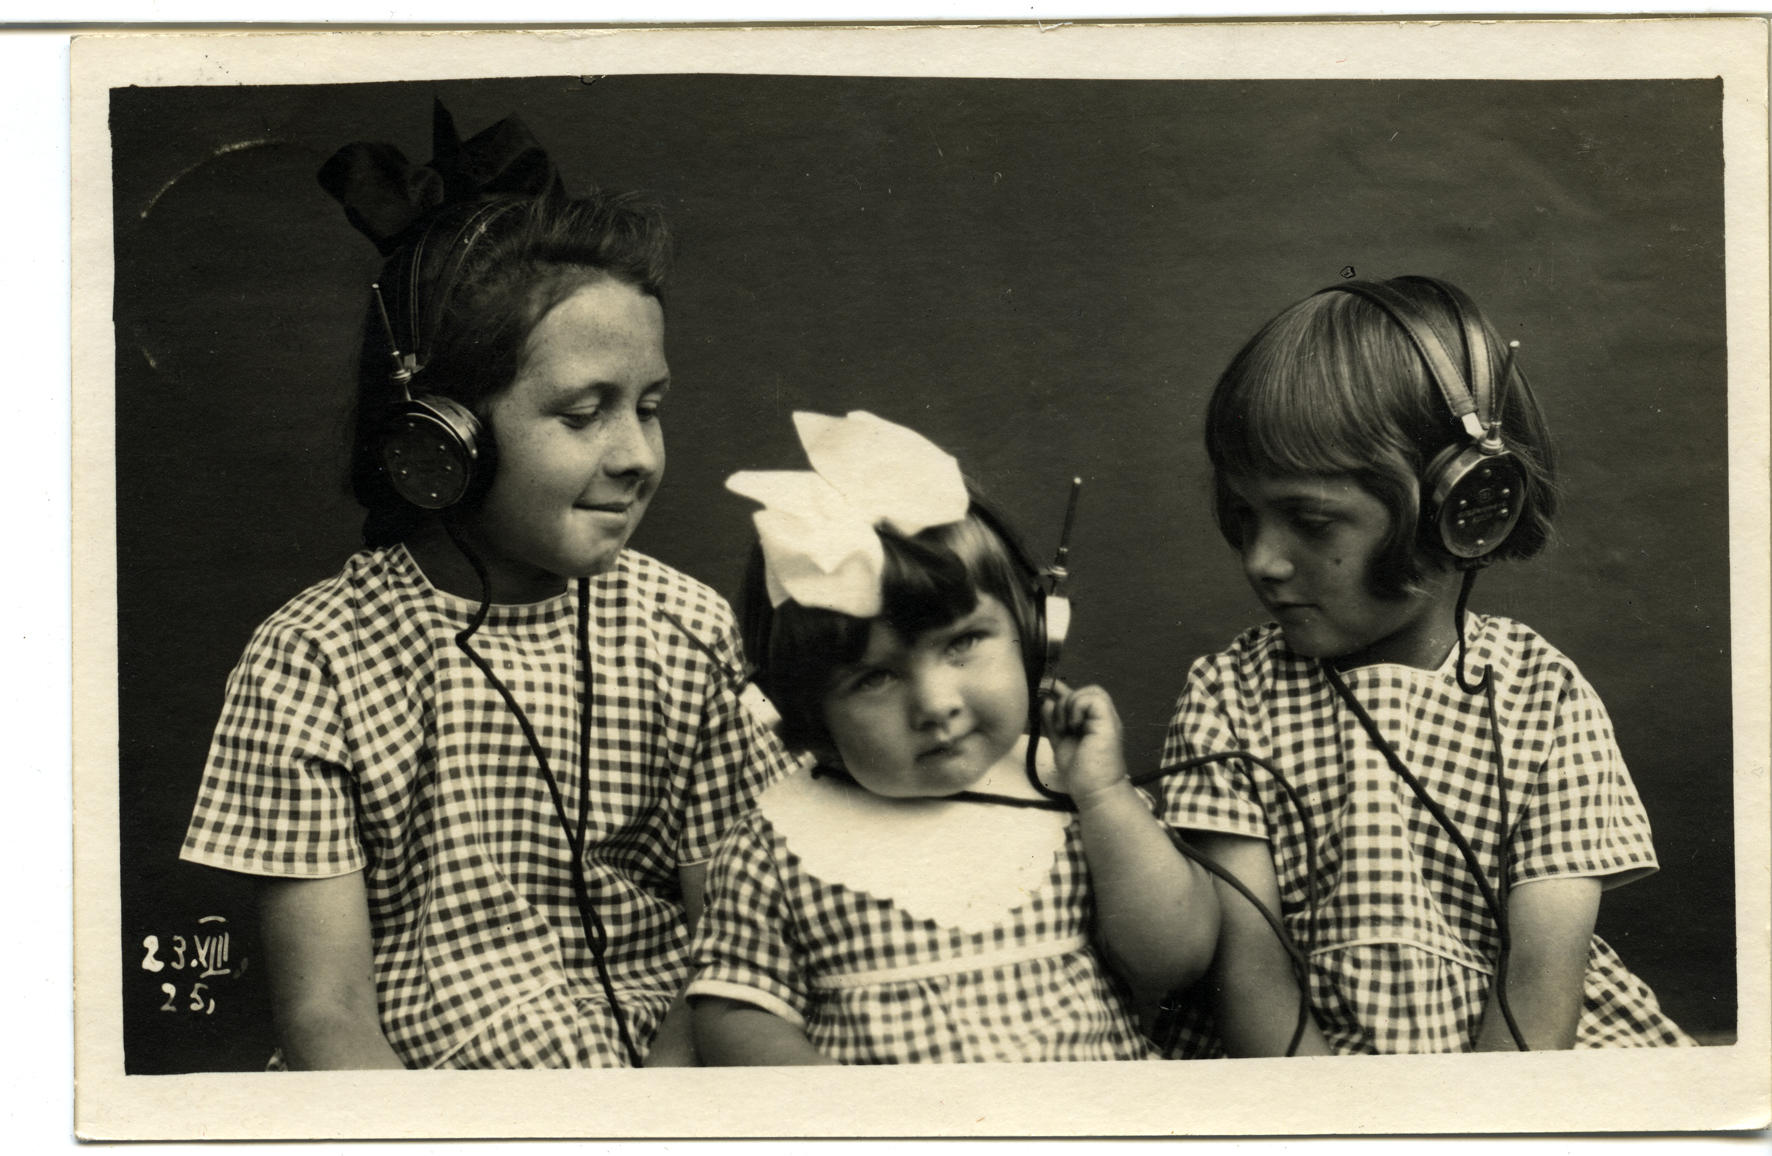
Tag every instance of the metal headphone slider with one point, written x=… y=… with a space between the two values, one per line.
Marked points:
x=1490 y=442
x=1055 y=605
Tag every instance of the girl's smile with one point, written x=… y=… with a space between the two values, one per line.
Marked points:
x=931 y=716
x=1308 y=545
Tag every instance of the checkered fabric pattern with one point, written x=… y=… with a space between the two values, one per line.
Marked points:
x=870 y=984
x=1404 y=940
x=356 y=735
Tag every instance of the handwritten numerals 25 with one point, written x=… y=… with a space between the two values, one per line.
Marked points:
x=208 y=952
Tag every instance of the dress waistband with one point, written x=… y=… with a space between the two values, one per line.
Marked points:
x=949 y=966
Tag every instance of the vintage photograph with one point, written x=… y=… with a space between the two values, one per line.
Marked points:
x=1188 y=555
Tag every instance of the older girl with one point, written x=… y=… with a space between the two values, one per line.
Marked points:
x=478 y=773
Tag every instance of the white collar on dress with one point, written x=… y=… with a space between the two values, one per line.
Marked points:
x=960 y=864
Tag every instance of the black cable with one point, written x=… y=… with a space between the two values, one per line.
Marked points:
x=1486 y=685
x=1300 y=960
x=1496 y=909
x=1037 y=708
x=596 y=934
x=735 y=678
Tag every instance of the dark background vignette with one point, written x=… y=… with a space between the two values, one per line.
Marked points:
x=1045 y=276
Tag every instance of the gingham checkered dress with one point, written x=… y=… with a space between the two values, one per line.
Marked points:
x=356 y=735
x=870 y=983
x=1405 y=942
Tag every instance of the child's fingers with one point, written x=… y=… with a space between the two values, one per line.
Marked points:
x=1079 y=711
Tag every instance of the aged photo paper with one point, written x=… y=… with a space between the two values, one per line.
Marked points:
x=1040 y=245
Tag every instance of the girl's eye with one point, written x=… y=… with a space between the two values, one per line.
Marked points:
x=578 y=418
x=865 y=681
x=1316 y=525
x=962 y=643
x=869 y=680
x=648 y=410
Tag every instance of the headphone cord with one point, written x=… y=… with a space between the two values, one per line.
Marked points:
x=1496 y=905
x=1057 y=801
x=1033 y=753
x=1300 y=958
x=596 y=934
x=1486 y=684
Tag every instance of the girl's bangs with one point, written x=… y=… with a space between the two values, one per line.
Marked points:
x=1309 y=396
x=926 y=583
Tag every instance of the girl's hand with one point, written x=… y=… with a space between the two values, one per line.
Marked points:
x=1086 y=742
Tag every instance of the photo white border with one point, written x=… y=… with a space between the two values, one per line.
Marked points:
x=1603 y=1091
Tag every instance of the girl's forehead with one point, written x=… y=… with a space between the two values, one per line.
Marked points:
x=1280 y=487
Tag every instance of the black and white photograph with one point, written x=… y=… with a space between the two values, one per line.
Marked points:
x=1167 y=579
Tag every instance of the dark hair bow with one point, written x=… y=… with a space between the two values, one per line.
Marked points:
x=389 y=199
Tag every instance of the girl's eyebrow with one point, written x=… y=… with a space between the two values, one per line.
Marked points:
x=600 y=389
x=1308 y=501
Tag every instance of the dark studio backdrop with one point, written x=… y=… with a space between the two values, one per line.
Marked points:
x=1045 y=277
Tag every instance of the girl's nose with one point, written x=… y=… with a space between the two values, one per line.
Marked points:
x=635 y=447
x=935 y=695
x=1264 y=557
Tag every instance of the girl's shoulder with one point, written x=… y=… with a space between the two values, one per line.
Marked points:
x=1525 y=660
x=1253 y=662
x=696 y=605
x=371 y=584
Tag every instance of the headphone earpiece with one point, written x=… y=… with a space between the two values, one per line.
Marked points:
x=1049 y=609
x=1473 y=491
x=433 y=451
x=1471 y=500
x=1053 y=610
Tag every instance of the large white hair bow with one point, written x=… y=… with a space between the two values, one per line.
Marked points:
x=817 y=526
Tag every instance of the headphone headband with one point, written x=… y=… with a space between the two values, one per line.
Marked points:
x=433 y=450
x=1469 y=404
x=461 y=243
x=1472 y=493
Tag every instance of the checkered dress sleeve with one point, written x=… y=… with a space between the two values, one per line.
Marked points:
x=736 y=756
x=742 y=950
x=277 y=795
x=1216 y=796
x=1583 y=817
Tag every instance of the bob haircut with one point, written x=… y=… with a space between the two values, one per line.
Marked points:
x=929 y=581
x=464 y=296
x=1333 y=385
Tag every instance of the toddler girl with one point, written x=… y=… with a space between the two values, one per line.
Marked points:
x=1460 y=802
x=911 y=894
x=479 y=772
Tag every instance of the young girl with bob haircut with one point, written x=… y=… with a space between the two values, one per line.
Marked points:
x=1453 y=803
x=478 y=773
x=915 y=896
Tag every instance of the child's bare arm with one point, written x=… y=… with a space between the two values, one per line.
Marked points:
x=1156 y=911
x=1255 y=993
x=1551 y=924
x=729 y=1032
x=673 y=1044
x=316 y=940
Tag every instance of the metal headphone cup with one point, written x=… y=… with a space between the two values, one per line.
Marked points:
x=1473 y=491
x=433 y=451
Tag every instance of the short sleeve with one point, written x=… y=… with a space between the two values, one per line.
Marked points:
x=278 y=796
x=741 y=950
x=736 y=758
x=1215 y=796
x=1583 y=817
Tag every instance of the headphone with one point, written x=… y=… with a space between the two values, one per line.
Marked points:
x=432 y=449
x=1473 y=491
x=1051 y=607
